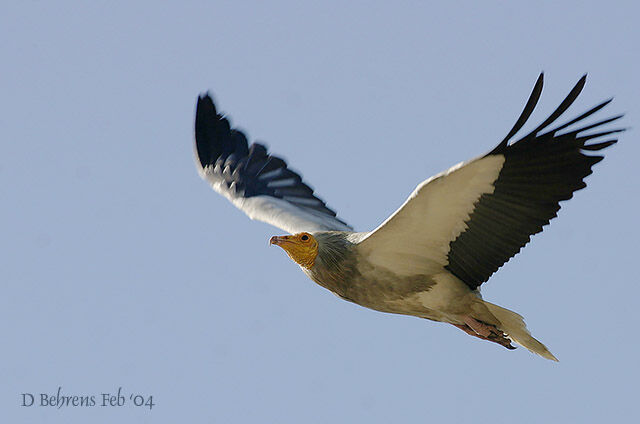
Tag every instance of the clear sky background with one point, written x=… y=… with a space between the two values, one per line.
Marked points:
x=119 y=267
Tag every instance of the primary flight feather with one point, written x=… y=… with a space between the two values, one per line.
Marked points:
x=454 y=231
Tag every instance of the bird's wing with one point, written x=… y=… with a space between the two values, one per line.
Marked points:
x=259 y=184
x=474 y=217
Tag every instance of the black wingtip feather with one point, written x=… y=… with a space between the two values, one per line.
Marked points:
x=539 y=172
x=224 y=153
x=588 y=137
x=526 y=113
x=586 y=115
x=599 y=146
x=564 y=105
x=206 y=124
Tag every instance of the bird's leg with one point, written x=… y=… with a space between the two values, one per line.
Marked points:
x=467 y=330
x=480 y=328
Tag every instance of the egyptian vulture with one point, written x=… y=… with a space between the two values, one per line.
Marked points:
x=455 y=230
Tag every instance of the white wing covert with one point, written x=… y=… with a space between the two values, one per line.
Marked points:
x=473 y=218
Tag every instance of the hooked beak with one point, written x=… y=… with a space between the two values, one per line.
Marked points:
x=279 y=240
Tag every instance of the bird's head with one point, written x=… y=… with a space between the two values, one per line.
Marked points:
x=301 y=247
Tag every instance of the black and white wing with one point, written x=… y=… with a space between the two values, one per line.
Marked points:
x=259 y=184
x=472 y=218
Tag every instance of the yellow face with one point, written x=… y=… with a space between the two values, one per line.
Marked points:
x=301 y=247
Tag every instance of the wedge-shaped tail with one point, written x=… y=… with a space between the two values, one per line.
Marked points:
x=513 y=325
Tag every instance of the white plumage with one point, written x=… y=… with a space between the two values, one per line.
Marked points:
x=454 y=231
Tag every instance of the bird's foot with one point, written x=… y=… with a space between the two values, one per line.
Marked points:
x=484 y=331
x=501 y=339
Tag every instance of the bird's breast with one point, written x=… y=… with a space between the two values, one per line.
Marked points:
x=379 y=289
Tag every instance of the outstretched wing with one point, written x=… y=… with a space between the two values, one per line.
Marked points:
x=474 y=217
x=259 y=184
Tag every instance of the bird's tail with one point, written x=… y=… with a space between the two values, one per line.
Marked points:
x=513 y=325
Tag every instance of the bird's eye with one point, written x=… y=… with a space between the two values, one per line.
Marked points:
x=304 y=237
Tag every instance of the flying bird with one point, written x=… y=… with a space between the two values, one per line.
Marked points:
x=455 y=230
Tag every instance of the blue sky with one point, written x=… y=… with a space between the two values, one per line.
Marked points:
x=121 y=268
